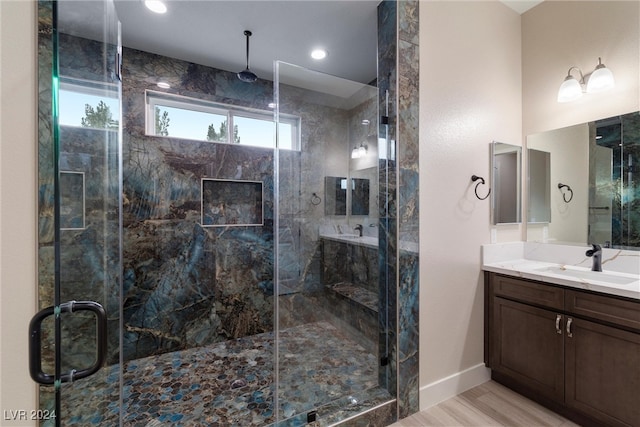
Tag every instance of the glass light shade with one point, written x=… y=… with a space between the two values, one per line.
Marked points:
x=601 y=79
x=355 y=153
x=362 y=151
x=156 y=6
x=570 y=90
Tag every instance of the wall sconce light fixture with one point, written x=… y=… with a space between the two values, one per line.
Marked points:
x=359 y=152
x=598 y=80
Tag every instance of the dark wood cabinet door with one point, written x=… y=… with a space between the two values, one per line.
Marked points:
x=603 y=372
x=527 y=346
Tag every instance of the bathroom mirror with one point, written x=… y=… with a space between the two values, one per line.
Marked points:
x=539 y=186
x=597 y=160
x=505 y=183
x=359 y=196
x=335 y=195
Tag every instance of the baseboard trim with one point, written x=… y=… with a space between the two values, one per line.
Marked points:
x=453 y=385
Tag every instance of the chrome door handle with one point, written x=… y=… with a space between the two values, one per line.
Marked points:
x=558 y=319
x=35 y=342
x=569 y=322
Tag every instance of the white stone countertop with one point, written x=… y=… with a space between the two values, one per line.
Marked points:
x=622 y=281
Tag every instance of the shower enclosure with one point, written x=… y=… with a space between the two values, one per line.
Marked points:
x=613 y=181
x=188 y=280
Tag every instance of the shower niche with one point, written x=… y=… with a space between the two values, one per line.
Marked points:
x=232 y=203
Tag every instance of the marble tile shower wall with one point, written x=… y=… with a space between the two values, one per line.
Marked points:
x=408 y=202
x=398 y=65
x=184 y=284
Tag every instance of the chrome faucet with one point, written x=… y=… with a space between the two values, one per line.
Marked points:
x=596 y=253
x=358 y=228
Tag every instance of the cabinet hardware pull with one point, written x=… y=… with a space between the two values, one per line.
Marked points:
x=558 y=329
x=569 y=321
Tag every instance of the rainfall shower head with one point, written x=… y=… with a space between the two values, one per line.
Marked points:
x=246 y=75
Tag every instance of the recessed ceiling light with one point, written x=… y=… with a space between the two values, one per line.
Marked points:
x=156 y=6
x=164 y=85
x=318 y=54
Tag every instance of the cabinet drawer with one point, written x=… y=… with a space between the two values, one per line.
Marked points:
x=609 y=309
x=529 y=292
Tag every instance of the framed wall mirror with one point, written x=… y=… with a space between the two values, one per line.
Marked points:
x=505 y=183
x=598 y=161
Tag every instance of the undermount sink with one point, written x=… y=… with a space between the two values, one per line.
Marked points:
x=599 y=276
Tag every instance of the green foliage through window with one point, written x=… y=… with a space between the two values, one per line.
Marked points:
x=221 y=135
x=99 y=117
x=162 y=123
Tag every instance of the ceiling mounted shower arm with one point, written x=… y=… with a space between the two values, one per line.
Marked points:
x=247 y=34
x=247 y=75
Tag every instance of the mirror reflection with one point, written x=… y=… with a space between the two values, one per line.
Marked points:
x=335 y=195
x=359 y=196
x=337 y=192
x=539 y=201
x=597 y=161
x=505 y=188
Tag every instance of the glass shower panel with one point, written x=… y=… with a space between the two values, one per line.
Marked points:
x=80 y=215
x=328 y=303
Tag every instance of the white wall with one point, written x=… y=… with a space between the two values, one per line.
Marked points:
x=488 y=74
x=470 y=95
x=557 y=35
x=17 y=203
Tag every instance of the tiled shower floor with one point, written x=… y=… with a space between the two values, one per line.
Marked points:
x=226 y=384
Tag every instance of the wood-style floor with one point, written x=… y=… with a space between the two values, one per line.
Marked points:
x=489 y=404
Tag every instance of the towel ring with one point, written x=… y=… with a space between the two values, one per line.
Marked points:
x=315 y=199
x=564 y=194
x=475 y=178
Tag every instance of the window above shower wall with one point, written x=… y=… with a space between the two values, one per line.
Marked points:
x=191 y=118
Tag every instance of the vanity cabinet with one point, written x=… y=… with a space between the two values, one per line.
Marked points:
x=574 y=351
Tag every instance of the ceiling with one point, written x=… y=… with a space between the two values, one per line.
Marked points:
x=521 y=6
x=211 y=32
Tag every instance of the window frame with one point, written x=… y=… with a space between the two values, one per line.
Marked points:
x=163 y=99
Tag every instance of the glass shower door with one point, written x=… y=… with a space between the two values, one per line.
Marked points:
x=74 y=339
x=328 y=357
